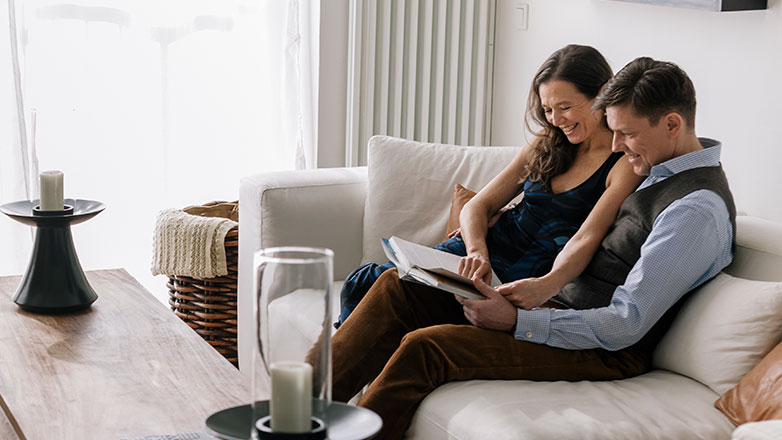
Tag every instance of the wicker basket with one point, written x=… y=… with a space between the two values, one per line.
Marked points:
x=208 y=305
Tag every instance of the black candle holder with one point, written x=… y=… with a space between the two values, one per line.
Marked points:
x=341 y=422
x=54 y=282
x=316 y=432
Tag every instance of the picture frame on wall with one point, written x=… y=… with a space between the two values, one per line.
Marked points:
x=711 y=5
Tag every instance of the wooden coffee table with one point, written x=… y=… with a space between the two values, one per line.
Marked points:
x=126 y=367
x=6 y=430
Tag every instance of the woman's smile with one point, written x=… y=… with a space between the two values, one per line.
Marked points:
x=568 y=129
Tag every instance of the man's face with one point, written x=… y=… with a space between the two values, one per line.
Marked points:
x=644 y=144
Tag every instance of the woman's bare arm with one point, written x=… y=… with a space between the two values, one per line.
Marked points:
x=475 y=215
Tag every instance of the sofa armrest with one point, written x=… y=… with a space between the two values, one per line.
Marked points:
x=318 y=208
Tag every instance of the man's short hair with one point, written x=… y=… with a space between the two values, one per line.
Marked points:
x=652 y=89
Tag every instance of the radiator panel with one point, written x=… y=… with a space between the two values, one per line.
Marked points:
x=419 y=69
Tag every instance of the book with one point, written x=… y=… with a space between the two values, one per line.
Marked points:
x=431 y=267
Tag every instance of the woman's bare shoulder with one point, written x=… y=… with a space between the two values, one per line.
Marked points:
x=622 y=174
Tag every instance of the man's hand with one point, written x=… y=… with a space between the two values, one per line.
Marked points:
x=528 y=293
x=493 y=313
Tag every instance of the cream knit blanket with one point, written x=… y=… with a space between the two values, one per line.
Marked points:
x=190 y=245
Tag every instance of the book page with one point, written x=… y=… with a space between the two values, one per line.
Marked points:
x=433 y=260
x=392 y=256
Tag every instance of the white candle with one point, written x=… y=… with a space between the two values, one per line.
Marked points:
x=291 y=402
x=51 y=191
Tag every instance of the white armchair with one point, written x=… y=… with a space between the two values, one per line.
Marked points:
x=722 y=332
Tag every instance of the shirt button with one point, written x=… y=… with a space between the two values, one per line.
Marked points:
x=528 y=335
x=654 y=179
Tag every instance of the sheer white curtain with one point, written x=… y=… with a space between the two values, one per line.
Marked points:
x=151 y=105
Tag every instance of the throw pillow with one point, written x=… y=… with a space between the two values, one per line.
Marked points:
x=759 y=394
x=722 y=331
x=409 y=184
x=460 y=197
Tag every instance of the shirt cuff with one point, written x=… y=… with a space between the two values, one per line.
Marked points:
x=533 y=325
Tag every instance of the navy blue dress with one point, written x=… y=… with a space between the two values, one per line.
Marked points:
x=523 y=243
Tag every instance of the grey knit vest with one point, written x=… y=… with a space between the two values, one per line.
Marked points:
x=621 y=247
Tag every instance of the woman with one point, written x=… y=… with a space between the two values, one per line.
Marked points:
x=573 y=186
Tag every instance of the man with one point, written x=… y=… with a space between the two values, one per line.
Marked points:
x=671 y=235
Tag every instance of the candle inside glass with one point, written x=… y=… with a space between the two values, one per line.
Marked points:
x=52 y=191
x=291 y=402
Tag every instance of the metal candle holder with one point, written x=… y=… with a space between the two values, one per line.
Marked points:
x=54 y=281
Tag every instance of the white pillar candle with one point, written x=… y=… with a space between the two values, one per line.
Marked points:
x=51 y=191
x=291 y=402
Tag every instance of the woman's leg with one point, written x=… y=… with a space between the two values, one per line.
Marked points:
x=357 y=285
x=359 y=281
x=454 y=246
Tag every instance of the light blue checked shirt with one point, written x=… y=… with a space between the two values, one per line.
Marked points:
x=690 y=242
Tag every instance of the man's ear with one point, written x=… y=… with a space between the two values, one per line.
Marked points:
x=674 y=124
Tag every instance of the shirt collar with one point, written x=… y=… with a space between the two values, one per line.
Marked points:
x=708 y=157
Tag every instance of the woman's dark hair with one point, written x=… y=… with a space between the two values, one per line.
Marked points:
x=588 y=71
x=652 y=89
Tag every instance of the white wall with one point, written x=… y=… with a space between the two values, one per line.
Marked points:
x=733 y=58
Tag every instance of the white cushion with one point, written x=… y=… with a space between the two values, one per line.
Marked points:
x=657 y=405
x=765 y=430
x=758 y=249
x=410 y=186
x=723 y=330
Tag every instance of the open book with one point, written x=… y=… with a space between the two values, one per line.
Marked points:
x=431 y=267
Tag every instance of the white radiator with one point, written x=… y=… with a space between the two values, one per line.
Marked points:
x=419 y=69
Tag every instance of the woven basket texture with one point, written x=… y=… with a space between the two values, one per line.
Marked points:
x=208 y=305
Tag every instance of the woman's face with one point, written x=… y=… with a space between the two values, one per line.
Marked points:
x=569 y=110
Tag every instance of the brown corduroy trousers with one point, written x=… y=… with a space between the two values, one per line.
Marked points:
x=408 y=339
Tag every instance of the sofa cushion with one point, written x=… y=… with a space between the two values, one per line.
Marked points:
x=656 y=405
x=766 y=430
x=722 y=331
x=758 y=249
x=410 y=184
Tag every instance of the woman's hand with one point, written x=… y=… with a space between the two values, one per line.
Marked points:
x=529 y=292
x=475 y=265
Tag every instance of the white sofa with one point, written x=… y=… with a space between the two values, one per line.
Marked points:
x=723 y=331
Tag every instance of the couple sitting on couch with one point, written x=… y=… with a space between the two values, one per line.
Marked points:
x=594 y=269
